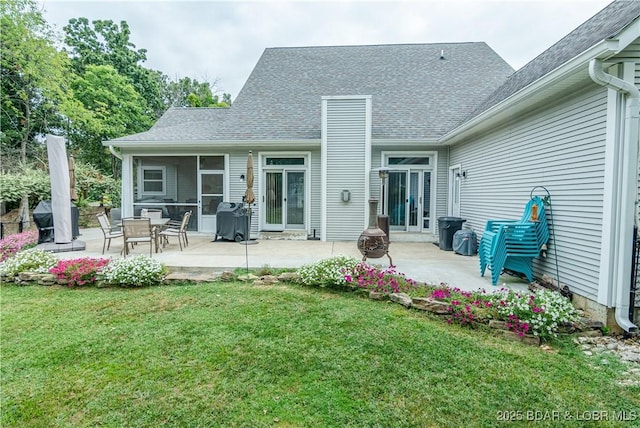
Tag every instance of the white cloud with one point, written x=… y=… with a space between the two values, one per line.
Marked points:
x=209 y=40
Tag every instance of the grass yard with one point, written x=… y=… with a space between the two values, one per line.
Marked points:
x=231 y=354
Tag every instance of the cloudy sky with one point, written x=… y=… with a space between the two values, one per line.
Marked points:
x=221 y=41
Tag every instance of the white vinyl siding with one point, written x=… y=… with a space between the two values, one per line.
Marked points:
x=346 y=153
x=560 y=147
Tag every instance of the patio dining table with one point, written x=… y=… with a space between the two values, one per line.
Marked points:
x=157 y=224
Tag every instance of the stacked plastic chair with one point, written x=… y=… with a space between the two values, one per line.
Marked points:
x=512 y=245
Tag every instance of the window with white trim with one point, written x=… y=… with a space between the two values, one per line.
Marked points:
x=153 y=180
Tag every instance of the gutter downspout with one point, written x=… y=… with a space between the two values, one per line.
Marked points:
x=112 y=150
x=628 y=188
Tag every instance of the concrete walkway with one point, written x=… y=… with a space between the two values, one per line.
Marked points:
x=421 y=261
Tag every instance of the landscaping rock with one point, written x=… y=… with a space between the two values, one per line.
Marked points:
x=589 y=333
x=289 y=277
x=374 y=295
x=247 y=277
x=527 y=338
x=227 y=276
x=499 y=325
x=47 y=279
x=430 y=305
x=266 y=280
x=401 y=298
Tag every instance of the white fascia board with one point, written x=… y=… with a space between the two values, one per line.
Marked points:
x=212 y=143
x=506 y=106
x=382 y=142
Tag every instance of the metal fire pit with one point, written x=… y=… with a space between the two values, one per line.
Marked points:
x=373 y=242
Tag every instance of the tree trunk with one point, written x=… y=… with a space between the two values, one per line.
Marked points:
x=24 y=202
x=24 y=212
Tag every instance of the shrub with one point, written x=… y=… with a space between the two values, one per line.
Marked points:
x=539 y=313
x=10 y=245
x=79 y=271
x=381 y=280
x=31 y=260
x=138 y=271
x=465 y=307
x=328 y=272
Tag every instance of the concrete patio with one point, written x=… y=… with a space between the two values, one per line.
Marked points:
x=421 y=261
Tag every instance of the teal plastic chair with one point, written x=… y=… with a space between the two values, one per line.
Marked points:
x=513 y=244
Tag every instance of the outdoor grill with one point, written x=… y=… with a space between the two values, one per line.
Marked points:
x=232 y=222
x=43 y=218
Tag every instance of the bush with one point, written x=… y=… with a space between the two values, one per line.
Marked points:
x=539 y=313
x=465 y=307
x=79 y=271
x=328 y=272
x=10 y=245
x=31 y=260
x=381 y=280
x=138 y=271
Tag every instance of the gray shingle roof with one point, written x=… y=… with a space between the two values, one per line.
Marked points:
x=605 y=24
x=416 y=95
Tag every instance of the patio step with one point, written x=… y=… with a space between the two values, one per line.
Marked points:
x=285 y=235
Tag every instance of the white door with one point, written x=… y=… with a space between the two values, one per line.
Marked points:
x=211 y=194
x=409 y=200
x=284 y=200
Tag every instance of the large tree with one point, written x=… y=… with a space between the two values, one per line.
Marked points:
x=115 y=107
x=32 y=77
x=188 y=92
x=102 y=42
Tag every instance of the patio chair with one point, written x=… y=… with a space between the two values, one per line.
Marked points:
x=179 y=231
x=512 y=245
x=137 y=230
x=108 y=231
x=151 y=213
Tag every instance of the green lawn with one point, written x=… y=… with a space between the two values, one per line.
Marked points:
x=237 y=355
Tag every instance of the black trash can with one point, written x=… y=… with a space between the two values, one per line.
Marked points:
x=448 y=227
x=465 y=242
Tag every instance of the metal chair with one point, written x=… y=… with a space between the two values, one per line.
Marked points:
x=137 y=230
x=180 y=231
x=108 y=231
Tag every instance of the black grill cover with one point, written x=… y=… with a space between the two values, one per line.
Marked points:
x=232 y=221
x=43 y=218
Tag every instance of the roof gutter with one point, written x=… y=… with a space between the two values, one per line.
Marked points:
x=112 y=150
x=626 y=188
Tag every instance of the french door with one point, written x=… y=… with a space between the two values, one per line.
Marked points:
x=409 y=200
x=284 y=200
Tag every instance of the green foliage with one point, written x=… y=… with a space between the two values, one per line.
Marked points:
x=138 y=271
x=117 y=110
x=34 y=183
x=540 y=312
x=32 y=80
x=91 y=185
x=188 y=92
x=328 y=272
x=103 y=43
x=31 y=260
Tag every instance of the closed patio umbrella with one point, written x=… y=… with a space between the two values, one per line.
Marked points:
x=249 y=196
x=72 y=178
